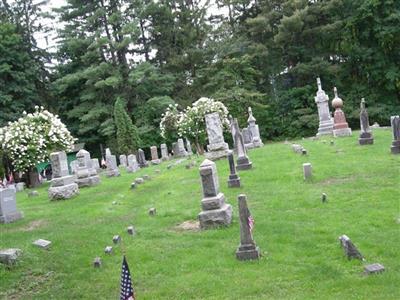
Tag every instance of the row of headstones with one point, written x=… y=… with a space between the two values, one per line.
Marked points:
x=338 y=125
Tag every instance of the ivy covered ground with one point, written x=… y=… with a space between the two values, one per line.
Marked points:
x=297 y=233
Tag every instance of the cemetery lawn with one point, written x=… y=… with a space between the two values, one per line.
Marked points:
x=297 y=233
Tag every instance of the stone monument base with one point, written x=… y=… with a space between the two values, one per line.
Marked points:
x=113 y=173
x=234 y=181
x=217 y=154
x=216 y=217
x=243 y=163
x=247 y=252
x=325 y=128
x=156 y=161
x=11 y=217
x=132 y=169
x=211 y=203
x=342 y=132
x=63 y=192
x=88 y=181
x=395 y=148
x=366 y=139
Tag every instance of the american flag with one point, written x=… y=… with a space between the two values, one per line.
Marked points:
x=250 y=222
x=127 y=292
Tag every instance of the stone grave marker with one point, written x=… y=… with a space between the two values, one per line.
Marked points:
x=44 y=244
x=141 y=159
x=9 y=256
x=86 y=174
x=97 y=262
x=234 y=179
x=325 y=120
x=253 y=128
x=366 y=137
x=8 y=206
x=340 y=126
x=139 y=180
x=33 y=194
x=133 y=165
x=152 y=211
x=116 y=239
x=188 y=147
x=307 y=171
x=20 y=186
x=123 y=161
x=374 y=269
x=349 y=248
x=154 y=156
x=108 y=250
x=395 y=123
x=164 y=152
x=63 y=185
x=242 y=162
x=112 y=168
x=130 y=230
x=217 y=148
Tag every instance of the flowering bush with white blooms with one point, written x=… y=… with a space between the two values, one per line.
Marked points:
x=29 y=140
x=170 y=122
x=192 y=123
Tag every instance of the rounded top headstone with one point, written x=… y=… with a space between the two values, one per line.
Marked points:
x=336 y=102
x=206 y=163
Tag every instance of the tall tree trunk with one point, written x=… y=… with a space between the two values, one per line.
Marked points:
x=32 y=178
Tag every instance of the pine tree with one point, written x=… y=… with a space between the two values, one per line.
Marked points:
x=127 y=135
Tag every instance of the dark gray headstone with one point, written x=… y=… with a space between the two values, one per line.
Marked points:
x=349 y=248
x=108 y=250
x=374 y=269
x=116 y=239
x=234 y=179
x=395 y=123
x=366 y=137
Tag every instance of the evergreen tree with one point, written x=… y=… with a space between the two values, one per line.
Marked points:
x=127 y=135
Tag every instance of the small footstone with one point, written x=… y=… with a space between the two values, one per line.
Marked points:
x=9 y=256
x=332 y=143
x=157 y=171
x=131 y=230
x=307 y=170
x=133 y=185
x=42 y=243
x=139 y=180
x=374 y=269
x=304 y=151
x=33 y=194
x=116 y=239
x=349 y=248
x=169 y=167
x=146 y=177
x=97 y=262
x=114 y=203
x=152 y=211
x=324 y=197
x=108 y=250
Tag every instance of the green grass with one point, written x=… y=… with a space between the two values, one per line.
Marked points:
x=298 y=235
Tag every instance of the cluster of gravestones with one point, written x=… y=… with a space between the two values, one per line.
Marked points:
x=337 y=126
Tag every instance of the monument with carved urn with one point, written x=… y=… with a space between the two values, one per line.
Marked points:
x=340 y=126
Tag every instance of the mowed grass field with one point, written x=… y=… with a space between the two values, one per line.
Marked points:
x=297 y=233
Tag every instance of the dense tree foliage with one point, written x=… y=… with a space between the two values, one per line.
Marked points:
x=153 y=54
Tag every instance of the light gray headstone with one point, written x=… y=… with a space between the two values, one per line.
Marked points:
x=307 y=170
x=112 y=169
x=253 y=128
x=42 y=243
x=9 y=256
x=59 y=164
x=133 y=165
x=8 y=206
x=20 y=186
x=86 y=174
x=164 y=152
x=242 y=162
x=366 y=137
x=325 y=119
x=217 y=148
x=395 y=123
x=123 y=160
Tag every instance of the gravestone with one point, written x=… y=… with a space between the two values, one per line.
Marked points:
x=139 y=180
x=116 y=239
x=247 y=138
x=97 y=262
x=9 y=256
x=307 y=170
x=188 y=147
x=130 y=230
x=253 y=128
x=247 y=249
x=44 y=244
x=63 y=185
x=96 y=164
x=133 y=165
x=141 y=159
x=325 y=120
x=86 y=175
x=297 y=148
x=108 y=250
x=217 y=148
x=73 y=166
x=374 y=269
x=395 y=122
x=242 y=162
x=123 y=160
x=179 y=150
x=20 y=186
x=108 y=152
x=164 y=152
x=234 y=179
x=152 y=211
x=175 y=149
x=366 y=137
x=8 y=206
x=349 y=248
x=112 y=168
x=33 y=194
x=340 y=126
x=233 y=127
x=215 y=211
x=154 y=155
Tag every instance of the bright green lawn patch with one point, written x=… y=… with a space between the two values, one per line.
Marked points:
x=297 y=234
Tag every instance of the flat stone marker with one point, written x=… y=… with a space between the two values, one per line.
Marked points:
x=130 y=230
x=97 y=262
x=297 y=148
x=33 y=194
x=108 y=250
x=324 y=197
x=116 y=239
x=133 y=185
x=234 y=179
x=146 y=177
x=42 y=243
x=169 y=167
x=152 y=211
x=374 y=269
x=247 y=249
x=139 y=180
x=307 y=170
x=349 y=248
x=157 y=171
x=9 y=256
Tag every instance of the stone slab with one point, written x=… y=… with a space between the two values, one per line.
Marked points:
x=9 y=256
x=210 y=203
x=217 y=217
x=45 y=244
x=374 y=269
x=63 y=192
x=249 y=254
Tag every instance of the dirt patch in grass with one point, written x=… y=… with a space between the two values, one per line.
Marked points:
x=188 y=226
x=31 y=226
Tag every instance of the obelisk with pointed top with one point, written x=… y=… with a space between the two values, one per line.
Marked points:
x=395 y=123
x=340 y=126
x=325 y=120
x=255 y=132
x=366 y=137
x=247 y=248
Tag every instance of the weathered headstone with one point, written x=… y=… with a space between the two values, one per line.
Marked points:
x=242 y=162
x=374 y=269
x=307 y=170
x=395 y=122
x=154 y=155
x=123 y=160
x=63 y=185
x=130 y=230
x=215 y=211
x=133 y=185
x=9 y=256
x=86 y=174
x=112 y=168
x=139 y=180
x=325 y=120
x=366 y=137
x=164 y=152
x=133 y=165
x=233 y=127
x=188 y=147
x=116 y=239
x=73 y=166
x=253 y=128
x=141 y=159
x=152 y=211
x=108 y=152
x=297 y=148
x=8 y=206
x=234 y=179
x=247 y=249
x=97 y=262
x=247 y=138
x=96 y=164
x=349 y=248
x=33 y=194
x=20 y=186
x=44 y=244
x=175 y=149
x=108 y=250
x=217 y=148
x=340 y=126
x=180 y=149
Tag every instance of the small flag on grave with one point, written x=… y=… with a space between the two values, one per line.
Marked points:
x=127 y=292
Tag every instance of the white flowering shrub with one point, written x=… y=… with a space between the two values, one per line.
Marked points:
x=29 y=140
x=170 y=122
